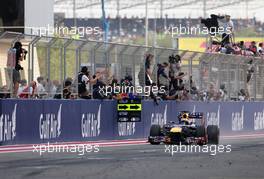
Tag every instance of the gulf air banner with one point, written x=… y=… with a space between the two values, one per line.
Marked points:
x=41 y=121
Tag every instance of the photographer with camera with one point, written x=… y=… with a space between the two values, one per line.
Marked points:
x=225 y=24
x=15 y=56
x=228 y=26
x=163 y=75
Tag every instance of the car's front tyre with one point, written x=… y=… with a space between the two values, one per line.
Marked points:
x=155 y=132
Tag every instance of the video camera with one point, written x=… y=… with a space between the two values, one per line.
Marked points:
x=18 y=66
x=212 y=23
x=24 y=51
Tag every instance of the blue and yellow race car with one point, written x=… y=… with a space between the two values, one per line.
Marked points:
x=190 y=129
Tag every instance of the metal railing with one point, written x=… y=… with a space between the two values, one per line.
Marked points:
x=56 y=59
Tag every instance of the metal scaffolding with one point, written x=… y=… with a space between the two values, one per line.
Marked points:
x=57 y=59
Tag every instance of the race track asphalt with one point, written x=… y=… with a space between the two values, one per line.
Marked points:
x=144 y=161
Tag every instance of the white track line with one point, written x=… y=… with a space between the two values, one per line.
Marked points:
x=105 y=143
x=102 y=144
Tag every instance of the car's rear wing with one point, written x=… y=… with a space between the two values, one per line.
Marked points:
x=196 y=115
x=193 y=115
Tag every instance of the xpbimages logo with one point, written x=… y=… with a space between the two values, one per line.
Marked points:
x=79 y=149
x=210 y=149
x=140 y=90
x=175 y=31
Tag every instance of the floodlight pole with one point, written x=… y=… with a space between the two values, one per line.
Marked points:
x=247 y=9
x=105 y=22
x=161 y=9
x=155 y=30
x=146 y=23
x=204 y=8
x=119 y=19
x=74 y=14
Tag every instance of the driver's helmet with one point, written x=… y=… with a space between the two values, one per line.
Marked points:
x=184 y=118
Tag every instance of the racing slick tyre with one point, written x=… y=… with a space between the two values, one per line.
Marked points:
x=155 y=131
x=213 y=134
x=200 y=131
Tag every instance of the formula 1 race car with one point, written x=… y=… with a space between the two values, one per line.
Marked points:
x=191 y=129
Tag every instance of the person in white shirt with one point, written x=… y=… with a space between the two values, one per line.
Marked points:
x=228 y=26
x=40 y=87
x=23 y=85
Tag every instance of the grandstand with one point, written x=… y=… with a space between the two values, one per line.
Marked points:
x=159 y=8
x=127 y=19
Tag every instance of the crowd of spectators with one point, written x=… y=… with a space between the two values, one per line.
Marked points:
x=252 y=49
x=176 y=85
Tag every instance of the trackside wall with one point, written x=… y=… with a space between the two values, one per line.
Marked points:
x=40 y=121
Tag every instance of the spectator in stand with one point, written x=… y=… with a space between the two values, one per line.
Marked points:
x=163 y=75
x=211 y=91
x=98 y=86
x=194 y=92
x=243 y=95
x=250 y=70
x=5 y=93
x=241 y=45
x=223 y=93
x=237 y=49
x=84 y=82
x=243 y=48
x=114 y=84
x=260 y=49
x=23 y=85
x=175 y=73
x=55 y=85
x=253 y=47
x=185 y=95
x=41 y=87
x=148 y=69
x=29 y=91
x=67 y=91
x=229 y=49
x=168 y=95
x=222 y=49
x=228 y=26
x=15 y=56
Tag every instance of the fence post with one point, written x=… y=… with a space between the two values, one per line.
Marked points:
x=229 y=82
x=50 y=43
x=67 y=43
x=32 y=56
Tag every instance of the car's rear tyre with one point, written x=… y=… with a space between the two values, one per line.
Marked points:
x=213 y=134
x=155 y=131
